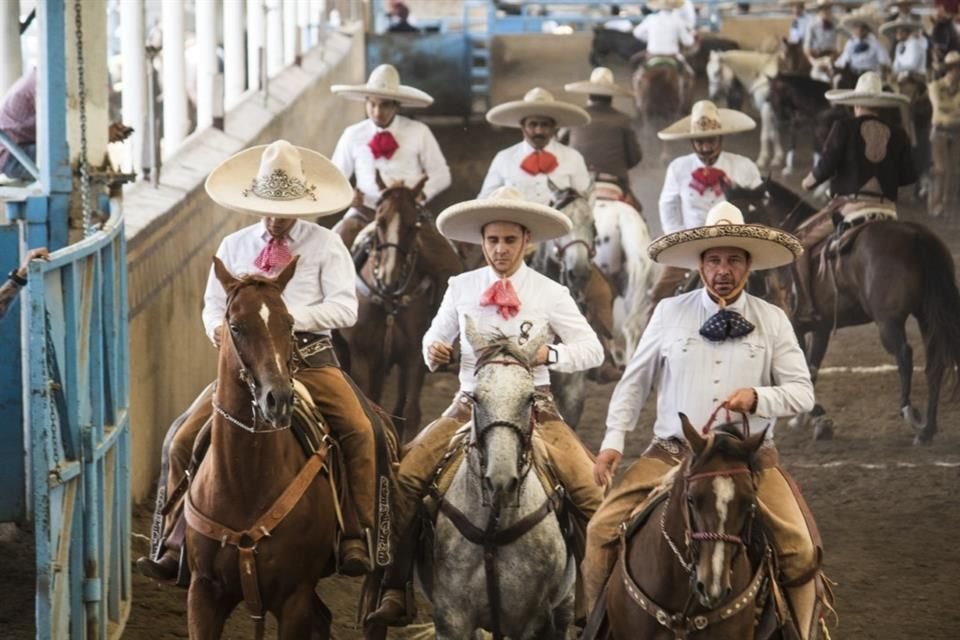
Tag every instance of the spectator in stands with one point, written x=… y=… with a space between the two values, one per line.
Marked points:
x=18 y=121
x=400 y=16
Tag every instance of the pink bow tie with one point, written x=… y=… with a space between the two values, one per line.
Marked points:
x=274 y=256
x=383 y=145
x=502 y=294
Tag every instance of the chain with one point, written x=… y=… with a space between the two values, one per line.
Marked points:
x=688 y=566
x=82 y=97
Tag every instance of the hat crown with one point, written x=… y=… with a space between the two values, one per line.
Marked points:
x=506 y=193
x=601 y=75
x=869 y=82
x=705 y=117
x=723 y=213
x=384 y=78
x=538 y=94
x=952 y=58
x=280 y=175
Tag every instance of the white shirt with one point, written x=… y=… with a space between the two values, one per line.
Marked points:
x=541 y=301
x=505 y=170
x=798 y=28
x=696 y=375
x=687 y=13
x=818 y=38
x=911 y=55
x=872 y=58
x=322 y=294
x=682 y=207
x=417 y=154
x=664 y=32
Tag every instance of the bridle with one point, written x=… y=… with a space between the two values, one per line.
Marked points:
x=559 y=252
x=404 y=291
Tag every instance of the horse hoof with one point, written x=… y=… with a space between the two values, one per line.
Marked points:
x=823 y=429
x=912 y=417
x=922 y=439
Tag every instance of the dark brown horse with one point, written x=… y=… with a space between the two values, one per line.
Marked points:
x=396 y=290
x=660 y=94
x=686 y=571
x=792 y=59
x=891 y=271
x=256 y=525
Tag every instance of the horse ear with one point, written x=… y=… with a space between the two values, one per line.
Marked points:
x=284 y=276
x=540 y=338
x=227 y=279
x=473 y=336
x=418 y=188
x=754 y=442
x=380 y=183
x=694 y=439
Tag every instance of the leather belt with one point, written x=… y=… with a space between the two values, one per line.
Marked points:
x=315 y=350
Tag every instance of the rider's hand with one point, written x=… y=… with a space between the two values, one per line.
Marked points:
x=40 y=253
x=357 y=201
x=439 y=354
x=217 y=336
x=809 y=182
x=606 y=466
x=742 y=401
x=541 y=357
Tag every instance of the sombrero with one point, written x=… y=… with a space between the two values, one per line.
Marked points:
x=601 y=83
x=866 y=16
x=706 y=120
x=384 y=82
x=279 y=180
x=889 y=29
x=868 y=93
x=664 y=5
x=537 y=102
x=952 y=59
x=768 y=247
x=790 y=3
x=464 y=222
x=821 y=4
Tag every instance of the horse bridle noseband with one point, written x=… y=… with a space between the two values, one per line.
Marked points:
x=392 y=299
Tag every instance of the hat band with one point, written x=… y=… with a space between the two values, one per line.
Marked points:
x=704 y=124
x=279 y=185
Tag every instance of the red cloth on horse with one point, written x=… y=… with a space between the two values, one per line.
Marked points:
x=274 y=256
x=383 y=145
x=502 y=294
x=539 y=162
x=709 y=178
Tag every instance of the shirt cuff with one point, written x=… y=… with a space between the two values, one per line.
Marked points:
x=613 y=439
x=764 y=402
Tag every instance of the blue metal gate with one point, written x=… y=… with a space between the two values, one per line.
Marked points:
x=78 y=437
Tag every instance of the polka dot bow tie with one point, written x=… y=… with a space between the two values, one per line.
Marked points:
x=725 y=324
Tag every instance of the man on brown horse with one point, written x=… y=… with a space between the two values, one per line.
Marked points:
x=719 y=347
x=292 y=185
x=866 y=161
x=695 y=182
x=509 y=297
x=666 y=32
x=945 y=97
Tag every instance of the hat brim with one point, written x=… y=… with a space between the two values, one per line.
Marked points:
x=596 y=89
x=509 y=114
x=664 y=5
x=847 y=23
x=889 y=29
x=768 y=247
x=825 y=5
x=227 y=183
x=406 y=96
x=852 y=98
x=464 y=222
x=731 y=122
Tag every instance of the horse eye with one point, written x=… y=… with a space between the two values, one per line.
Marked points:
x=234 y=327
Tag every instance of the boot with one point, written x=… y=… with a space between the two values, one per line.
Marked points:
x=397 y=608
x=165 y=569
x=354 y=557
x=805 y=314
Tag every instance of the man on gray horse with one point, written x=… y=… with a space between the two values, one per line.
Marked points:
x=714 y=349
x=284 y=186
x=866 y=161
x=509 y=297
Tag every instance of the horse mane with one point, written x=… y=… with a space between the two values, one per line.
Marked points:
x=499 y=344
x=728 y=441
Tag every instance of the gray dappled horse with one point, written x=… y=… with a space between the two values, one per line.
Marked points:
x=515 y=577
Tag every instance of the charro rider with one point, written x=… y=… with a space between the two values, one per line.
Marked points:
x=800 y=23
x=866 y=160
x=910 y=50
x=504 y=296
x=401 y=149
x=666 y=33
x=695 y=182
x=285 y=185
x=714 y=348
x=820 y=42
x=863 y=51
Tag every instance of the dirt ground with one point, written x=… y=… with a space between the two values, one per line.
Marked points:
x=888 y=511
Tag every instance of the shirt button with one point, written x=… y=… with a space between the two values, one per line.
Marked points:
x=716 y=382
x=719 y=362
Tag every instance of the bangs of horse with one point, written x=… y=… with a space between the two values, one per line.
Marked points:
x=728 y=441
x=501 y=345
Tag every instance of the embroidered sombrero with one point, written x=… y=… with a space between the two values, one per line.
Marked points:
x=537 y=102
x=768 y=247
x=868 y=93
x=279 y=180
x=601 y=83
x=464 y=221
x=706 y=120
x=384 y=82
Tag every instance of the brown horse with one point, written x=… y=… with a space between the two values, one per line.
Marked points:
x=256 y=530
x=660 y=91
x=792 y=58
x=396 y=291
x=890 y=271
x=686 y=570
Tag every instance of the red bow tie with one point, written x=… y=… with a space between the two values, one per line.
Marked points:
x=274 y=256
x=539 y=162
x=709 y=178
x=383 y=145
x=502 y=294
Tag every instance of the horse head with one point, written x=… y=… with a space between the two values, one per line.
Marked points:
x=573 y=253
x=503 y=406
x=258 y=346
x=609 y=243
x=720 y=487
x=397 y=225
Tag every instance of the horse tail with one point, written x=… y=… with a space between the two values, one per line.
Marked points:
x=662 y=90
x=940 y=306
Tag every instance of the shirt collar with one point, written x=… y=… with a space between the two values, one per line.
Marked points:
x=392 y=127
x=296 y=231
x=712 y=307
x=528 y=148
x=516 y=279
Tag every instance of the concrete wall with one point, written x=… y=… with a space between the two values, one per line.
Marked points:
x=174 y=230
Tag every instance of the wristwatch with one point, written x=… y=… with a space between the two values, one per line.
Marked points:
x=16 y=279
x=552 y=355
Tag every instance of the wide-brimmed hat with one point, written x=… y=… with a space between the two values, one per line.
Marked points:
x=790 y=3
x=384 y=82
x=952 y=59
x=601 y=83
x=279 y=180
x=889 y=29
x=464 y=222
x=868 y=93
x=664 y=5
x=768 y=247
x=896 y=3
x=866 y=16
x=706 y=120
x=537 y=102
x=821 y=4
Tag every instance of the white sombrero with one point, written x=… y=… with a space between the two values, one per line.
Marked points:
x=866 y=16
x=889 y=29
x=601 y=83
x=706 y=120
x=768 y=247
x=537 y=102
x=664 y=5
x=821 y=4
x=384 y=82
x=464 y=222
x=279 y=180
x=952 y=59
x=868 y=93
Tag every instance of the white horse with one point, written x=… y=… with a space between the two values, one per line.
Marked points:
x=621 y=254
x=753 y=70
x=516 y=577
